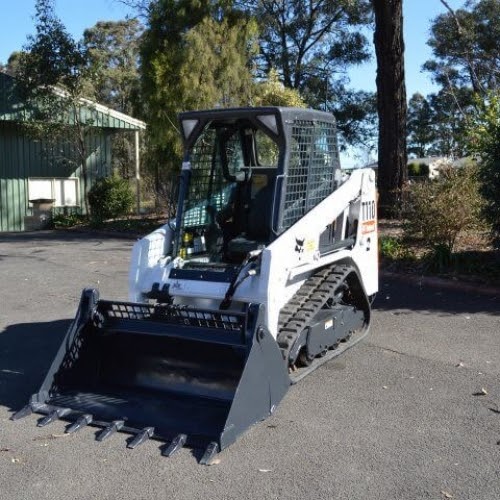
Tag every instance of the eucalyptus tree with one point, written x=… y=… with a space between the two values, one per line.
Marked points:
x=391 y=103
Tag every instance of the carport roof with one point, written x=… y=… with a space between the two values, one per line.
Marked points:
x=12 y=109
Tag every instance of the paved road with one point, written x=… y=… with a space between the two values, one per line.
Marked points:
x=394 y=418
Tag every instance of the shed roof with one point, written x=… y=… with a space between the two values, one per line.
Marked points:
x=12 y=109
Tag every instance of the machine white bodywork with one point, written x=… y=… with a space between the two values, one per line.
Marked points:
x=285 y=264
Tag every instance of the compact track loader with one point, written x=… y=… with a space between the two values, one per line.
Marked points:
x=266 y=272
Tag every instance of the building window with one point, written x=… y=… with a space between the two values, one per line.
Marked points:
x=63 y=190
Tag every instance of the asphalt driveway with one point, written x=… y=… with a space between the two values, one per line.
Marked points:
x=411 y=413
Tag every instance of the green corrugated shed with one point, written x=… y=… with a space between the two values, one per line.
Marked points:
x=22 y=157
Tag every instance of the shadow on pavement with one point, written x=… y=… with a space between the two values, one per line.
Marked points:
x=399 y=295
x=61 y=236
x=26 y=353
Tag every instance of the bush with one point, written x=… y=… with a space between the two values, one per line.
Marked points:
x=484 y=141
x=414 y=169
x=418 y=170
x=438 y=210
x=392 y=248
x=62 y=220
x=109 y=198
x=424 y=170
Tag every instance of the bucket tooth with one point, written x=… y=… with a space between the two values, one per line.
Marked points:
x=210 y=452
x=23 y=412
x=141 y=437
x=177 y=443
x=113 y=427
x=27 y=410
x=82 y=421
x=53 y=416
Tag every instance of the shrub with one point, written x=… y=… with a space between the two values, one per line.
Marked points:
x=424 y=170
x=484 y=141
x=414 y=169
x=438 y=210
x=418 y=169
x=62 y=220
x=109 y=198
x=392 y=248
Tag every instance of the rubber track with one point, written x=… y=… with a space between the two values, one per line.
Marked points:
x=301 y=310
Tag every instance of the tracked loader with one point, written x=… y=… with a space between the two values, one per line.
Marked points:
x=266 y=272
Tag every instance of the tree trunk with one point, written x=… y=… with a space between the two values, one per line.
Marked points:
x=391 y=104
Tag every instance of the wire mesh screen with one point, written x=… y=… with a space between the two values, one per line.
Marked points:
x=311 y=168
x=208 y=185
x=173 y=315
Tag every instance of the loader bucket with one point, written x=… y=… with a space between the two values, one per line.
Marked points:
x=181 y=375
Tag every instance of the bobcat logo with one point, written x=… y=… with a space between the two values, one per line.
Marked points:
x=299 y=245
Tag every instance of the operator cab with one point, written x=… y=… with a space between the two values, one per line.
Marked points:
x=228 y=204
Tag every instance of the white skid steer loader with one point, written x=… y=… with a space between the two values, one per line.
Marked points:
x=266 y=272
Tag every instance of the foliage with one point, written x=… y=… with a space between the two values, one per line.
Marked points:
x=436 y=123
x=484 y=141
x=222 y=76
x=392 y=248
x=466 y=61
x=311 y=45
x=272 y=92
x=420 y=122
x=51 y=78
x=110 y=197
x=465 y=47
x=12 y=66
x=132 y=225
x=112 y=49
x=418 y=169
x=356 y=116
x=194 y=54
x=221 y=53
x=437 y=211
x=63 y=220
x=439 y=259
x=485 y=265
x=450 y=109
x=51 y=58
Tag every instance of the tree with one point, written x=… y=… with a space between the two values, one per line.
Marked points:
x=465 y=46
x=222 y=75
x=194 y=54
x=391 y=102
x=420 y=126
x=356 y=116
x=51 y=77
x=449 y=120
x=272 y=92
x=311 y=45
x=12 y=65
x=112 y=49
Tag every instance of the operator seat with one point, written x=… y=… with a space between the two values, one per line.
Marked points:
x=257 y=227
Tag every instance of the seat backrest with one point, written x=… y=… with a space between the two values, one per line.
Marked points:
x=261 y=206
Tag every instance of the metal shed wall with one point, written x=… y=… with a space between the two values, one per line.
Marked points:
x=22 y=157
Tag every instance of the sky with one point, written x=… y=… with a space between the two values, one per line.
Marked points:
x=16 y=21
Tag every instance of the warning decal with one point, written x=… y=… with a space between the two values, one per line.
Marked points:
x=368 y=217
